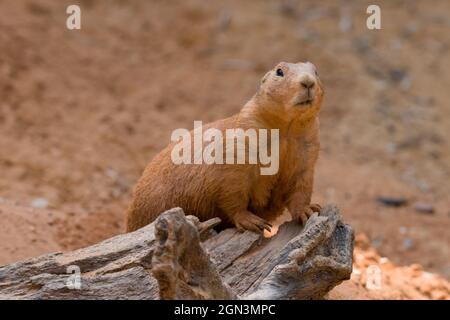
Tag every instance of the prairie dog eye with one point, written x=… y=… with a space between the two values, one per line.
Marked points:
x=280 y=72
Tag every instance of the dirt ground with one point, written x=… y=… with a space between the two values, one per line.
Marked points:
x=83 y=111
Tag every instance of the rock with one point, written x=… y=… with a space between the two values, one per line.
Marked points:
x=423 y=207
x=383 y=260
x=39 y=203
x=397 y=75
x=408 y=243
x=392 y=202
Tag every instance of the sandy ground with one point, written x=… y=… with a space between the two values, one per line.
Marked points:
x=82 y=112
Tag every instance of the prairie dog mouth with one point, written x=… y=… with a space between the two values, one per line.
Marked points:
x=304 y=102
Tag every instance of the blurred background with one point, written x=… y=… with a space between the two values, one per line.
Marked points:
x=83 y=111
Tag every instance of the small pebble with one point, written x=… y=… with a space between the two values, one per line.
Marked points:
x=39 y=203
x=384 y=260
x=424 y=208
x=111 y=173
x=356 y=271
x=392 y=202
x=408 y=243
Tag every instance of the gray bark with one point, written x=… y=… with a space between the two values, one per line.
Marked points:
x=178 y=257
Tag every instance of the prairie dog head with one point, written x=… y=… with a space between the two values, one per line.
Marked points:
x=295 y=86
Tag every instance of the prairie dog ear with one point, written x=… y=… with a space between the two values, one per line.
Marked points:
x=265 y=77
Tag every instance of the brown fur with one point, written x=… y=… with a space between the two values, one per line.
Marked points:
x=238 y=193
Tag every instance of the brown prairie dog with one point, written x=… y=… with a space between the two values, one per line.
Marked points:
x=288 y=99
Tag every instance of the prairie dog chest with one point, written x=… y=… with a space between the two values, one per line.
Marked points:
x=268 y=189
x=292 y=161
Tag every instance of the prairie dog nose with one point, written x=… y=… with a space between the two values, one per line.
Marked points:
x=307 y=82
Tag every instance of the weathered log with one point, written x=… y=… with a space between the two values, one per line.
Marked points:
x=181 y=266
x=178 y=257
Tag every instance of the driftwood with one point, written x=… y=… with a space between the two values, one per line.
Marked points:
x=178 y=257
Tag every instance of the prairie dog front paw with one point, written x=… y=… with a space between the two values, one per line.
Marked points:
x=246 y=220
x=306 y=212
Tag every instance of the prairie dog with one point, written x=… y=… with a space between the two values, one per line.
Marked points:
x=288 y=99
